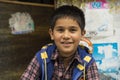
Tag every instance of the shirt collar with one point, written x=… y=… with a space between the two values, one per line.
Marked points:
x=56 y=54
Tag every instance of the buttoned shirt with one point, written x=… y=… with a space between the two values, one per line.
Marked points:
x=60 y=72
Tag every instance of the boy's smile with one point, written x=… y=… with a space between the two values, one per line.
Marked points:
x=66 y=44
x=66 y=35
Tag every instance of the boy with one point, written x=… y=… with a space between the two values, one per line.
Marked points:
x=64 y=59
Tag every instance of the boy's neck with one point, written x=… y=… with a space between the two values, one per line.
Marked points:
x=66 y=60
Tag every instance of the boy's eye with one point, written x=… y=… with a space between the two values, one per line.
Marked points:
x=73 y=30
x=60 y=30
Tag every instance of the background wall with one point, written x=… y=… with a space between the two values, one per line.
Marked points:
x=16 y=51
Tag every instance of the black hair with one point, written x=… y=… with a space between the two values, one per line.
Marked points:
x=69 y=11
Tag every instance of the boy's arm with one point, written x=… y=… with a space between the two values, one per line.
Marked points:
x=32 y=71
x=92 y=73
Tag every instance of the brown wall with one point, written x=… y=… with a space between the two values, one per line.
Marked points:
x=16 y=51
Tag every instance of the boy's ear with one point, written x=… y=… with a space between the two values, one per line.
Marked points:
x=83 y=32
x=51 y=33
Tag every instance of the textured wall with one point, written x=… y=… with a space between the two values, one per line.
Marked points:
x=16 y=51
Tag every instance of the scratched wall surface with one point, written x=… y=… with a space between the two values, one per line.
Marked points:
x=16 y=51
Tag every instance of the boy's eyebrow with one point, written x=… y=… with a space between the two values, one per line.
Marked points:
x=73 y=26
x=63 y=26
x=59 y=27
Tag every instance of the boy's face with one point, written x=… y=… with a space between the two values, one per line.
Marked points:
x=66 y=35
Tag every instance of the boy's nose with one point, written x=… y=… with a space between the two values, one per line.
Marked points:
x=66 y=35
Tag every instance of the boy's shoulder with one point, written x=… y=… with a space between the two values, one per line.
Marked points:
x=86 y=49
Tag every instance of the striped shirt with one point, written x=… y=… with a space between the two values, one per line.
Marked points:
x=60 y=72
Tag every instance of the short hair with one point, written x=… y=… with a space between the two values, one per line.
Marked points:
x=70 y=11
